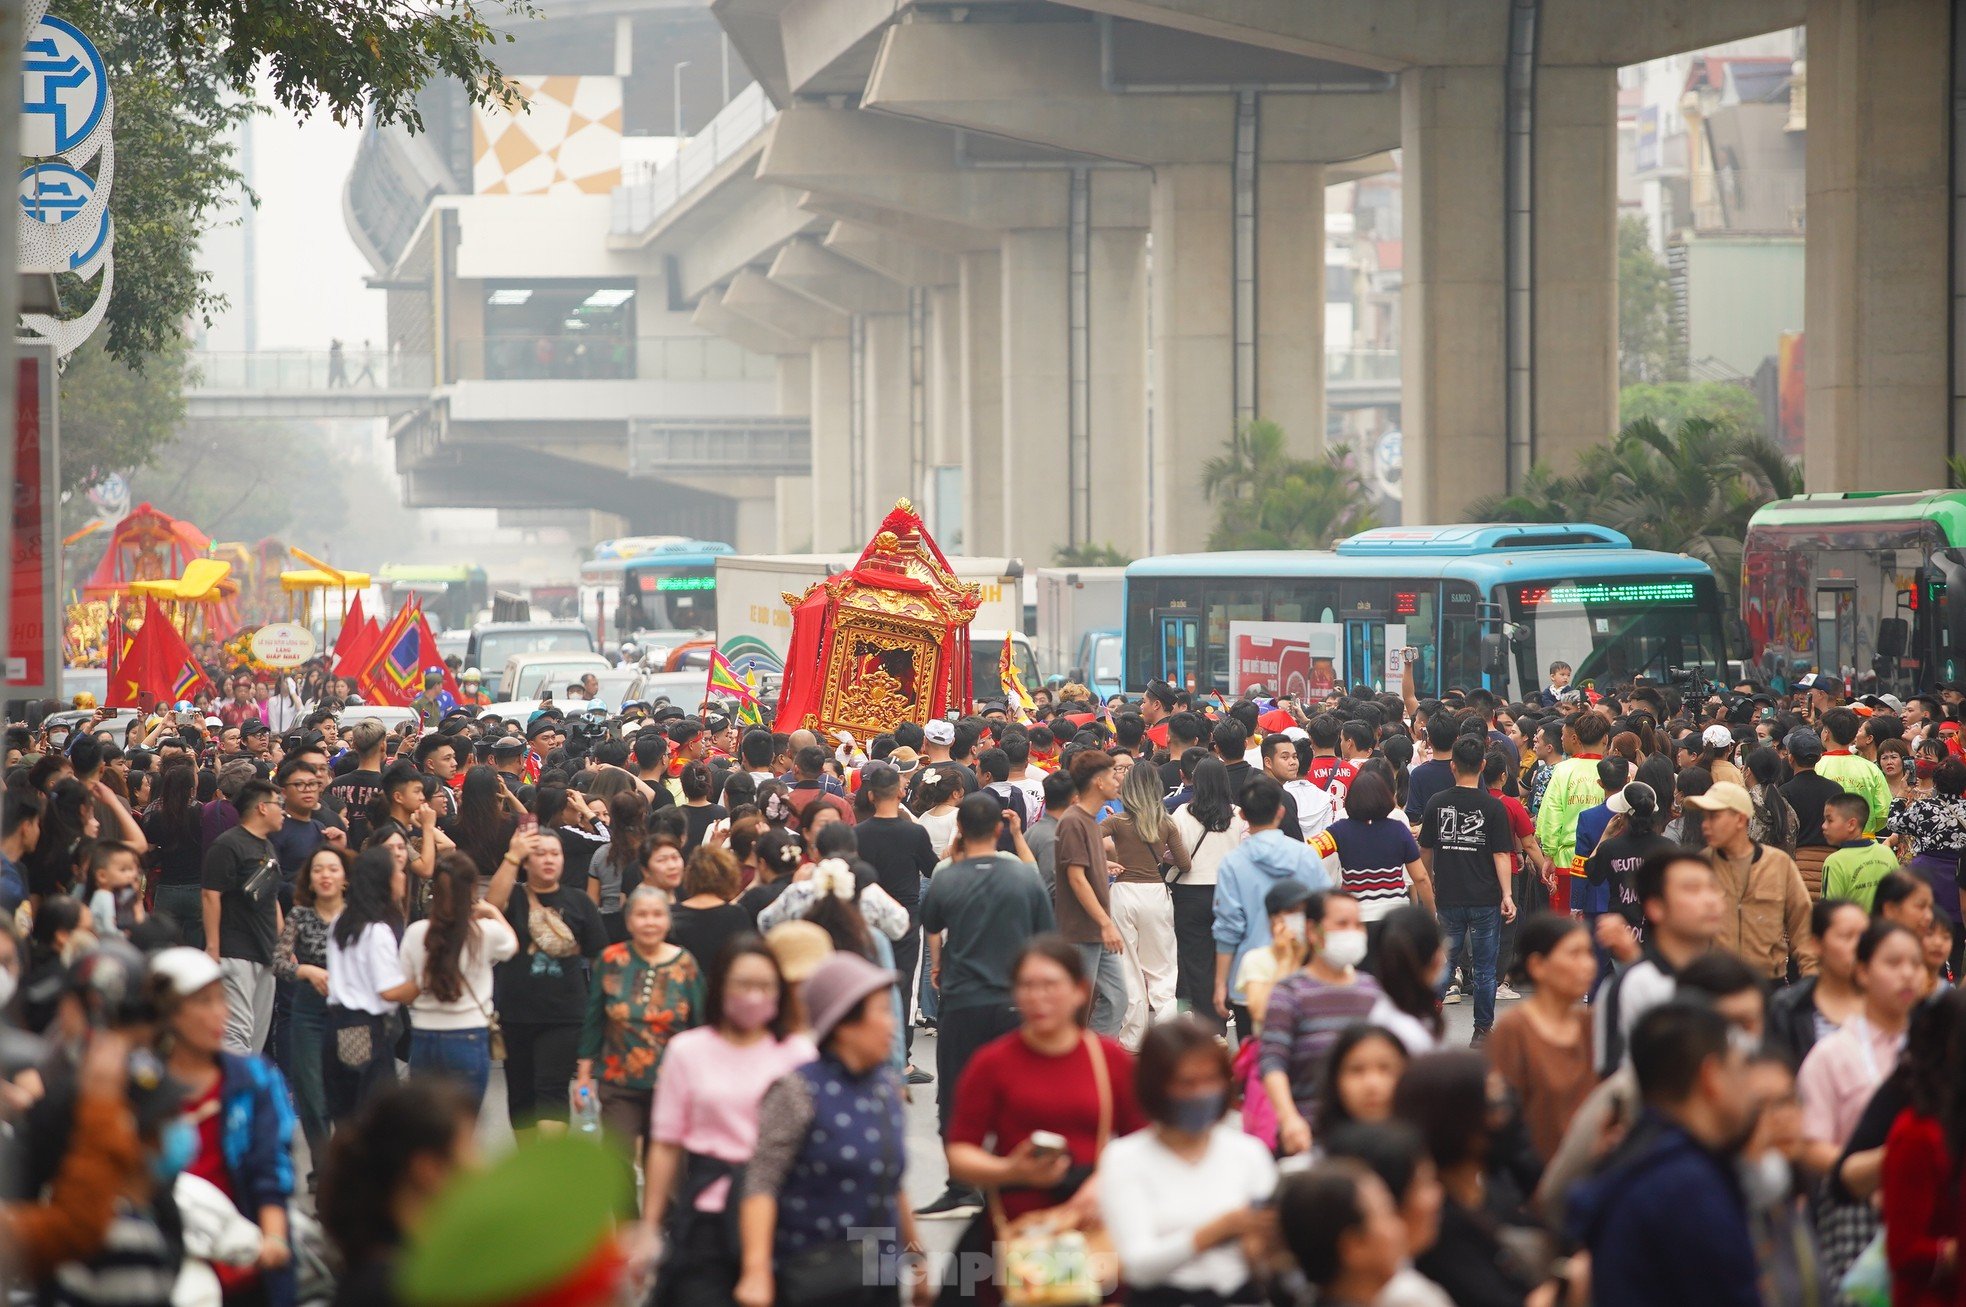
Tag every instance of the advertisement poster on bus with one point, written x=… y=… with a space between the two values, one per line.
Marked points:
x=1298 y=658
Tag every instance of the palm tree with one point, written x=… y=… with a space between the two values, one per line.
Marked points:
x=1269 y=499
x=1543 y=496
x=1258 y=454
x=1689 y=490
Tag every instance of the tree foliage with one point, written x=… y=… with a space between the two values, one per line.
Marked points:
x=1689 y=489
x=1645 y=335
x=1670 y=403
x=175 y=124
x=1268 y=498
x=115 y=418
x=347 y=57
x=1090 y=555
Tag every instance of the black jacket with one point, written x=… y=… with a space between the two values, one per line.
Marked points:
x=1792 y=1020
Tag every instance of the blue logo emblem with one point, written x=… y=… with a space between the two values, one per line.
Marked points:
x=52 y=193
x=64 y=89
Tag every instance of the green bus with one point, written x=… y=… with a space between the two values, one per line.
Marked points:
x=1868 y=586
x=452 y=596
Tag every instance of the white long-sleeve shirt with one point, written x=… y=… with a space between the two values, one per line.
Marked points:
x=1154 y=1201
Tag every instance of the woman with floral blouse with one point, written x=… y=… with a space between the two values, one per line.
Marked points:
x=645 y=991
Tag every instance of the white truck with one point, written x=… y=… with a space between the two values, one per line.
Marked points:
x=1080 y=613
x=754 y=623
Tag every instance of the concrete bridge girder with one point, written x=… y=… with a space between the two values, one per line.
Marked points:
x=1042 y=84
x=896 y=257
x=1390 y=35
x=713 y=316
x=751 y=222
x=763 y=300
x=808 y=268
x=906 y=167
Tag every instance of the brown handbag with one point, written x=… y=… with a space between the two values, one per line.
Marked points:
x=1045 y=1258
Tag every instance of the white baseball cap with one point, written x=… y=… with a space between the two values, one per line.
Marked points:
x=184 y=971
x=939 y=732
x=1717 y=737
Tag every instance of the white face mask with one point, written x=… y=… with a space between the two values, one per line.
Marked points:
x=1344 y=949
x=1766 y=1181
x=1293 y=925
x=8 y=984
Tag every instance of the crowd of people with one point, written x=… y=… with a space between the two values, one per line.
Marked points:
x=1187 y=964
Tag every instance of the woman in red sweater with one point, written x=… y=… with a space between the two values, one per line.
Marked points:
x=1921 y=1176
x=1042 y=1077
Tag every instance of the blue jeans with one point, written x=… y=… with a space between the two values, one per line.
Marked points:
x=1108 y=979
x=464 y=1055
x=308 y=1023
x=1479 y=930
x=185 y=906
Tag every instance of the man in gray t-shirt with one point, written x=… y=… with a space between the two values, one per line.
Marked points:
x=991 y=904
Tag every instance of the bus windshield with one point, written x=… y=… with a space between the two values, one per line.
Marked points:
x=669 y=597
x=1612 y=629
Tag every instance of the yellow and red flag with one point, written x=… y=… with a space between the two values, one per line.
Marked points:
x=724 y=680
x=1016 y=698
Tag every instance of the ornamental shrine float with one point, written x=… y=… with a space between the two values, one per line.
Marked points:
x=886 y=641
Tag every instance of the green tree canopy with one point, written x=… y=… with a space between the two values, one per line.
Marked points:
x=1670 y=403
x=1267 y=498
x=1645 y=335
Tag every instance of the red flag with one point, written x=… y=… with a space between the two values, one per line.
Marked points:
x=158 y=663
x=353 y=639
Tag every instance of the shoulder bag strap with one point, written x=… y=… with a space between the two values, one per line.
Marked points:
x=1103 y=1086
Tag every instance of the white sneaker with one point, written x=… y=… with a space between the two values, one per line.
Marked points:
x=1505 y=991
x=1453 y=995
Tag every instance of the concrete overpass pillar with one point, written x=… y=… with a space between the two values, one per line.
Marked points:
x=887 y=453
x=1289 y=292
x=1120 y=486
x=1879 y=232
x=792 y=518
x=945 y=419
x=832 y=446
x=1576 y=285
x=1032 y=476
x=979 y=286
x=1194 y=347
x=1453 y=365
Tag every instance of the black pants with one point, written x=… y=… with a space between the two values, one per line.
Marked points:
x=358 y=1057
x=962 y=1031
x=701 y=1268
x=1194 y=951
x=907 y=951
x=539 y=1060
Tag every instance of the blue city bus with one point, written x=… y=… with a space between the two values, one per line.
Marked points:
x=1479 y=605
x=659 y=583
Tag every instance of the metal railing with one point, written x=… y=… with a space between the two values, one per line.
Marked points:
x=1361 y=365
x=592 y=357
x=306 y=370
x=642 y=201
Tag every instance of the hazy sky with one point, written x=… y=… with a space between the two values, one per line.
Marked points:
x=310 y=273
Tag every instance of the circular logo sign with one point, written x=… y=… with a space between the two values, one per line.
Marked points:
x=64 y=90
x=283 y=644
x=53 y=194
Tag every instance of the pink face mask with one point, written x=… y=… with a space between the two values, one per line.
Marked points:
x=750 y=1009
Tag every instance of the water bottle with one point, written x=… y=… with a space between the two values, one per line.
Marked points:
x=586 y=1113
